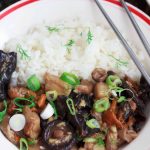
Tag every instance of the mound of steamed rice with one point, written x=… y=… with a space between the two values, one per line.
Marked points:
x=48 y=51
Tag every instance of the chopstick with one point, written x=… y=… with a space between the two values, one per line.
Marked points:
x=124 y=43
x=137 y=28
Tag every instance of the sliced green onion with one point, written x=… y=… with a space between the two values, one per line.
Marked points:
x=18 y=110
x=70 y=78
x=100 y=142
x=51 y=95
x=23 y=144
x=121 y=99
x=3 y=113
x=32 y=142
x=70 y=105
x=55 y=111
x=92 y=123
x=33 y=83
x=90 y=140
x=17 y=102
x=101 y=105
x=113 y=81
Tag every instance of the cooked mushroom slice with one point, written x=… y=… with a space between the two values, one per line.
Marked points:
x=85 y=87
x=59 y=135
x=14 y=92
x=99 y=74
x=53 y=83
x=101 y=90
x=32 y=128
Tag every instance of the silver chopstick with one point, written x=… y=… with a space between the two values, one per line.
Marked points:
x=137 y=28
x=124 y=42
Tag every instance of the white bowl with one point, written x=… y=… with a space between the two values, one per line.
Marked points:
x=17 y=18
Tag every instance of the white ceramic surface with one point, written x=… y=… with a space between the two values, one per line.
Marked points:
x=18 y=22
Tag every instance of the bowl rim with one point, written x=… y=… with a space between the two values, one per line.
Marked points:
x=23 y=3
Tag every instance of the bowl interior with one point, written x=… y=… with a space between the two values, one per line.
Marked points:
x=20 y=20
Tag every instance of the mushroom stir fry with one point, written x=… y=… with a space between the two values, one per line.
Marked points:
x=68 y=113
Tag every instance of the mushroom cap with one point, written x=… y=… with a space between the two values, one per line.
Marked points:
x=59 y=135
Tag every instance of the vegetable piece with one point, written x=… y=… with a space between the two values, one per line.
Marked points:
x=121 y=99
x=69 y=44
x=17 y=122
x=51 y=95
x=89 y=37
x=33 y=83
x=118 y=62
x=32 y=141
x=90 y=140
x=32 y=127
x=85 y=87
x=59 y=135
x=92 y=123
x=23 y=53
x=55 y=111
x=53 y=83
x=3 y=113
x=7 y=67
x=109 y=116
x=18 y=101
x=41 y=102
x=101 y=105
x=47 y=112
x=52 y=29
x=20 y=92
x=113 y=81
x=101 y=90
x=23 y=144
x=70 y=105
x=99 y=74
x=70 y=78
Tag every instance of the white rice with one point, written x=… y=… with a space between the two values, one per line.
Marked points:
x=48 y=52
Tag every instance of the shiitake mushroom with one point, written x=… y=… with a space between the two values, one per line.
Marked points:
x=7 y=67
x=59 y=135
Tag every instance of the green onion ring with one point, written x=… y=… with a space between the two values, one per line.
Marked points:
x=92 y=123
x=23 y=144
x=113 y=81
x=17 y=100
x=101 y=105
x=51 y=95
x=3 y=113
x=70 y=105
x=70 y=78
x=33 y=83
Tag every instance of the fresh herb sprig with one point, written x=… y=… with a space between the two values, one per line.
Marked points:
x=118 y=62
x=69 y=45
x=53 y=29
x=89 y=37
x=23 y=53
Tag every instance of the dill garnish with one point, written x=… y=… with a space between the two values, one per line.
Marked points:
x=119 y=63
x=89 y=37
x=69 y=44
x=23 y=52
x=53 y=29
x=81 y=34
